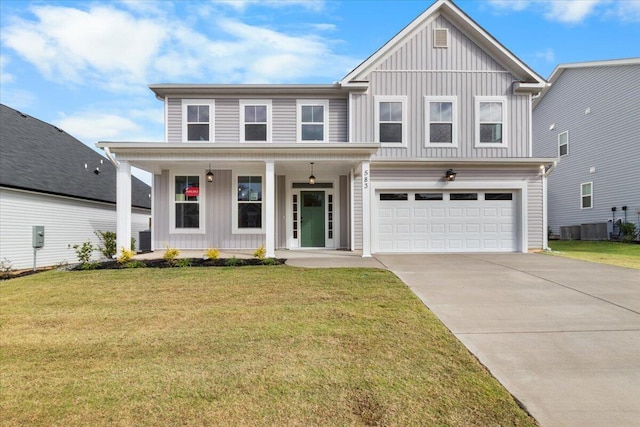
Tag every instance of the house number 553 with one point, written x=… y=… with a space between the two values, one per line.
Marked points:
x=365 y=179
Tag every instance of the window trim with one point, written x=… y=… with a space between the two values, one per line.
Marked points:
x=249 y=102
x=234 y=197
x=567 y=143
x=428 y=122
x=324 y=103
x=582 y=196
x=505 y=128
x=403 y=100
x=172 y=204
x=212 y=114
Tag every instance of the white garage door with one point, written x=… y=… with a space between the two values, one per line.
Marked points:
x=457 y=221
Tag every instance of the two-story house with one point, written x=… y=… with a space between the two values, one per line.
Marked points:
x=423 y=147
x=590 y=118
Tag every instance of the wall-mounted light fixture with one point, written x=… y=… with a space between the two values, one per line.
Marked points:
x=450 y=175
x=312 y=179
x=97 y=171
x=209 y=174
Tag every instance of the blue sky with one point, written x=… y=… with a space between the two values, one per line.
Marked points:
x=85 y=65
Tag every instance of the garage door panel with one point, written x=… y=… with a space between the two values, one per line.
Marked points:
x=434 y=225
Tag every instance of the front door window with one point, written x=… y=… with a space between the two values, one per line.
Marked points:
x=312 y=219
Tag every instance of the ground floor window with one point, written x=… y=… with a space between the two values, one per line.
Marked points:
x=586 y=190
x=249 y=202
x=186 y=202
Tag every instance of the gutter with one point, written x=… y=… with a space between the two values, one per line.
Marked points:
x=551 y=168
x=112 y=159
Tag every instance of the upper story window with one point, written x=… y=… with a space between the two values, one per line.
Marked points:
x=255 y=120
x=563 y=144
x=197 y=120
x=313 y=123
x=391 y=123
x=441 y=121
x=586 y=195
x=490 y=122
x=187 y=197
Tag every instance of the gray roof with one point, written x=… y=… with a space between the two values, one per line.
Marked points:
x=38 y=156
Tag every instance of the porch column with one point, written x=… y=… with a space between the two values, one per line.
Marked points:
x=366 y=209
x=270 y=209
x=123 y=206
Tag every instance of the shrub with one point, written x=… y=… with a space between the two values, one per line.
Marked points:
x=84 y=251
x=6 y=266
x=212 y=254
x=269 y=261
x=628 y=231
x=126 y=255
x=232 y=262
x=107 y=242
x=135 y=264
x=184 y=262
x=260 y=252
x=170 y=254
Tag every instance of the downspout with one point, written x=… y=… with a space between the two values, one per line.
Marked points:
x=545 y=220
x=111 y=158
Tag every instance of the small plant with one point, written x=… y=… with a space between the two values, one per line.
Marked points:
x=232 y=262
x=126 y=255
x=107 y=243
x=136 y=263
x=183 y=262
x=628 y=231
x=260 y=253
x=84 y=251
x=62 y=265
x=170 y=255
x=269 y=261
x=6 y=265
x=133 y=244
x=212 y=254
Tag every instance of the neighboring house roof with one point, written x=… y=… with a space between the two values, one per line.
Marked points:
x=531 y=80
x=40 y=157
x=557 y=72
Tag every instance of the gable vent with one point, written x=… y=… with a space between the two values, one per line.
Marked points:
x=440 y=37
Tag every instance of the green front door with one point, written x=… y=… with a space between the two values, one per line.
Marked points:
x=312 y=219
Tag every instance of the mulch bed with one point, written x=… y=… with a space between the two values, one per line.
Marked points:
x=192 y=262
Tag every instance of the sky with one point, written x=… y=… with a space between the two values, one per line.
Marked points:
x=84 y=66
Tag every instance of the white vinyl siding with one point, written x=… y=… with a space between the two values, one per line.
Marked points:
x=198 y=116
x=391 y=120
x=490 y=122
x=441 y=121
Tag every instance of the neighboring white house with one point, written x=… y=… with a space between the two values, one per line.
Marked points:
x=590 y=118
x=424 y=147
x=48 y=178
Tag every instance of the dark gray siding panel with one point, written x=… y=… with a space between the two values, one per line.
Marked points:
x=605 y=140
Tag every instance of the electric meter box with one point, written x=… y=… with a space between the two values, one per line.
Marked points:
x=38 y=236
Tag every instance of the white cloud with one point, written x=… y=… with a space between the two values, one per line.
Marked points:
x=628 y=11
x=547 y=55
x=5 y=76
x=323 y=27
x=92 y=127
x=242 y=5
x=574 y=11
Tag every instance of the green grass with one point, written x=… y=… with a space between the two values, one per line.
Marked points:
x=614 y=253
x=257 y=346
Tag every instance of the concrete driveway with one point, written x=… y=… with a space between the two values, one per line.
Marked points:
x=563 y=336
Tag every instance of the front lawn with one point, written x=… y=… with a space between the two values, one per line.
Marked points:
x=259 y=346
x=614 y=253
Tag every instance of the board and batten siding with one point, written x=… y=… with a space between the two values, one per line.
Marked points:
x=530 y=175
x=283 y=123
x=66 y=221
x=600 y=108
x=217 y=213
x=462 y=70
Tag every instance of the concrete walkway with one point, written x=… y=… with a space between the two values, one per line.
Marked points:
x=563 y=336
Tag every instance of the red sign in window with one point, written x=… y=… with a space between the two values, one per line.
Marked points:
x=192 y=192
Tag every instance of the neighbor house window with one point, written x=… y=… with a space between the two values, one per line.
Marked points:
x=248 y=206
x=563 y=144
x=313 y=120
x=490 y=121
x=390 y=117
x=186 y=203
x=586 y=192
x=197 y=120
x=441 y=126
x=255 y=120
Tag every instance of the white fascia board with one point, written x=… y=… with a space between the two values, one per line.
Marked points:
x=207 y=90
x=520 y=88
x=607 y=63
x=506 y=161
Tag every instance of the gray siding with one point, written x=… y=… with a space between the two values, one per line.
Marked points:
x=463 y=70
x=357 y=212
x=529 y=175
x=607 y=139
x=344 y=212
x=227 y=120
x=338 y=119
x=283 y=120
x=281 y=208
x=174 y=120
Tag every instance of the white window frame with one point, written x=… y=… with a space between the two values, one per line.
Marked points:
x=172 y=204
x=454 y=121
x=324 y=103
x=505 y=128
x=235 y=202
x=582 y=196
x=212 y=110
x=560 y=145
x=403 y=101
x=260 y=102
